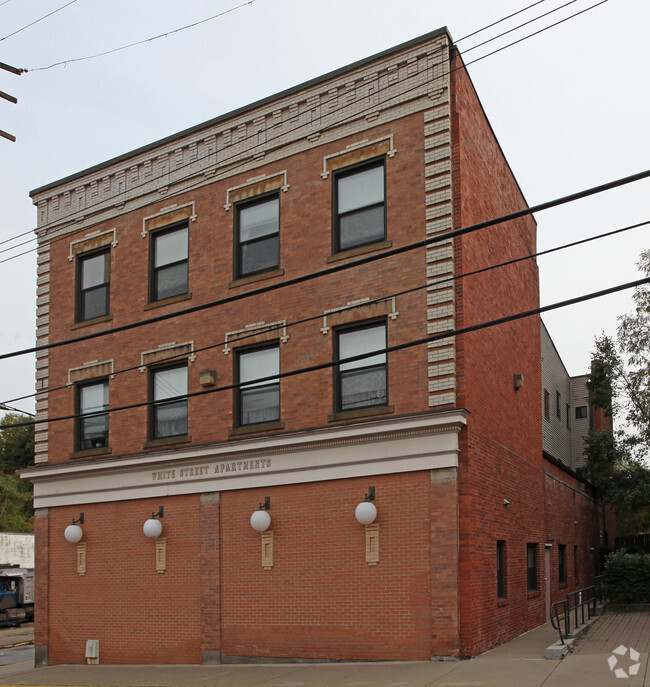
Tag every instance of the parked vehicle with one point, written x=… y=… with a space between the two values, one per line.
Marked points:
x=16 y=593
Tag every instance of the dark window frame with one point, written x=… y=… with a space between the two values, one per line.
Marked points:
x=80 y=310
x=558 y=405
x=501 y=569
x=154 y=271
x=547 y=405
x=239 y=271
x=581 y=413
x=568 y=416
x=155 y=406
x=339 y=374
x=338 y=245
x=82 y=418
x=561 y=564
x=532 y=582
x=240 y=391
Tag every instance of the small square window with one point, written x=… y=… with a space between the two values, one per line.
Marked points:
x=359 y=206
x=169 y=263
x=168 y=414
x=92 y=420
x=531 y=567
x=257 y=402
x=361 y=383
x=581 y=412
x=93 y=285
x=257 y=236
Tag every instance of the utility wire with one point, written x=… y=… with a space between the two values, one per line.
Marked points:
x=341 y=267
x=249 y=150
x=499 y=21
x=4 y=38
x=362 y=356
x=379 y=299
x=146 y=40
x=530 y=21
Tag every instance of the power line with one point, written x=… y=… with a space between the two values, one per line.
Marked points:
x=37 y=20
x=146 y=40
x=452 y=278
x=341 y=267
x=267 y=141
x=362 y=356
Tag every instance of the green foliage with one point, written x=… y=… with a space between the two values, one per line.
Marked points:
x=16 y=443
x=16 y=453
x=617 y=461
x=16 y=511
x=627 y=577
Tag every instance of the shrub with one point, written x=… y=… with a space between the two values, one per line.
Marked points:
x=627 y=577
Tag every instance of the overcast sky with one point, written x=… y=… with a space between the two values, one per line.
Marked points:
x=570 y=107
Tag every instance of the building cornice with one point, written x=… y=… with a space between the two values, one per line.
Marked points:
x=381 y=447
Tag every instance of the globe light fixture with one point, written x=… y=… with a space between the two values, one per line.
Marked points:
x=366 y=511
x=73 y=533
x=260 y=519
x=152 y=527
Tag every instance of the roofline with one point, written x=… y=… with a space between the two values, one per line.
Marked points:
x=241 y=110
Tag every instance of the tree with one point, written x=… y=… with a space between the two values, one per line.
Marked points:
x=617 y=460
x=16 y=453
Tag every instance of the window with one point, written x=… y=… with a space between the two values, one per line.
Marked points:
x=501 y=569
x=361 y=383
x=547 y=405
x=558 y=405
x=581 y=412
x=359 y=206
x=257 y=236
x=575 y=563
x=93 y=282
x=92 y=423
x=531 y=567
x=258 y=402
x=568 y=416
x=169 y=270
x=561 y=563
x=168 y=418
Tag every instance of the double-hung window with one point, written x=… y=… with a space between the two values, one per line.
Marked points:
x=92 y=411
x=93 y=285
x=169 y=263
x=258 y=396
x=361 y=383
x=359 y=206
x=168 y=414
x=257 y=236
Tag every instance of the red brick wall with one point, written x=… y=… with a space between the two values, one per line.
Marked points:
x=502 y=456
x=137 y=614
x=305 y=237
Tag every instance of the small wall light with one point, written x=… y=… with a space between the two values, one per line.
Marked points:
x=506 y=502
x=73 y=533
x=519 y=382
x=260 y=519
x=152 y=527
x=366 y=512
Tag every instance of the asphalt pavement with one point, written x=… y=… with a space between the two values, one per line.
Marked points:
x=613 y=651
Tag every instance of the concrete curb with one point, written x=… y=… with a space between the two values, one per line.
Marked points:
x=557 y=650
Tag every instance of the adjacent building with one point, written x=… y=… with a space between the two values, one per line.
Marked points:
x=250 y=343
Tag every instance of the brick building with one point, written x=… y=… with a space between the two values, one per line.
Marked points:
x=194 y=421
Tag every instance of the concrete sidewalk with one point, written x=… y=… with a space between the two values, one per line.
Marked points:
x=519 y=663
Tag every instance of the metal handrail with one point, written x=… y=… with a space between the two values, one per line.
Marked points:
x=574 y=606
